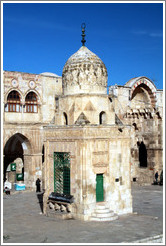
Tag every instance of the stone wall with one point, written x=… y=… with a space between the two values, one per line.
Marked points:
x=46 y=88
x=93 y=151
x=31 y=140
x=139 y=105
x=89 y=105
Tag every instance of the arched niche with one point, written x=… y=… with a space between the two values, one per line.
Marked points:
x=142 y=154
x=143 y=93
x=102 y=118
x=65 y=119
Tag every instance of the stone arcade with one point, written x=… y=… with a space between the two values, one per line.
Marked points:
x=78 y=139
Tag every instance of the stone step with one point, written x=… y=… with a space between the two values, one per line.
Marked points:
x=101 y=206
x=115 y=217
x=102 y=215
x=103 y=210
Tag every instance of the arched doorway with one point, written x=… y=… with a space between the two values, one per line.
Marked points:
x=17 y=153
x=142 y=154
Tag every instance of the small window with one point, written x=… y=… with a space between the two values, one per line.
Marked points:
x=135 y=126
x=13 y=102
x=56 y=102
x=102 y=118
x=65 y=120
x=31 y=103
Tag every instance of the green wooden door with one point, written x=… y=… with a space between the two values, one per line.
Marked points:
x=99 y=188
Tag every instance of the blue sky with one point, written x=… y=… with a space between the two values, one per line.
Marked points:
x=128 y=37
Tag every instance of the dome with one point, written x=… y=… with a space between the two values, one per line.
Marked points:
x=84 y=72
x=50 y=74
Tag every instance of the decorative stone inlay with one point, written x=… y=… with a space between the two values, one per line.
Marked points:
x=148 y=84
x=14 y=83
x=32 y=84
x=82 y=120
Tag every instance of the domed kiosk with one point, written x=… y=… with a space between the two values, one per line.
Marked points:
x=85 y=99
x=81 y=155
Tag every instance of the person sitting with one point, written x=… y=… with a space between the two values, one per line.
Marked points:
x=6 y=190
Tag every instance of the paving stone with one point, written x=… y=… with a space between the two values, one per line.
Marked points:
x=24 y=223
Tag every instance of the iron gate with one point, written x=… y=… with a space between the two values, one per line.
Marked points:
x=62 y=173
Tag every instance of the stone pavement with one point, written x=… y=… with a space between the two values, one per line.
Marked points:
x=24 y=222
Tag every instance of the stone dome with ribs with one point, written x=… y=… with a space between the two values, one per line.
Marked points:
x=84 y=72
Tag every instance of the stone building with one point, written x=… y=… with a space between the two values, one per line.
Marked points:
x=139 y=104
x=29 y=105
x=78 y=139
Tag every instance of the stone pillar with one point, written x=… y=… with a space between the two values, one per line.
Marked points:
x=32 y=169
x=27 y=170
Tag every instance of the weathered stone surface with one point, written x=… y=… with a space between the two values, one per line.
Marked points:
x=139 y=104
x=103 y=134
x=84 y=72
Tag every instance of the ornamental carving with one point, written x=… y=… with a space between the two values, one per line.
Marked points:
x=84 y=68
x=14 y=83
x=77 y=76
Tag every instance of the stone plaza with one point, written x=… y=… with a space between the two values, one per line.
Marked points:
x=23 y=221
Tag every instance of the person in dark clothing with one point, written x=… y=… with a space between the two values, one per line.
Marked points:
x=156 y=176
x=7 y=191
x=38 y=185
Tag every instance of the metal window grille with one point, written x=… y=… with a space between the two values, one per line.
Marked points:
x=31 y=103
x=62 y=173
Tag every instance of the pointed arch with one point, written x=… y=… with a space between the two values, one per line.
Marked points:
x=9 y=91
x=31 y=102
x=145 y=85
x=13 y=103
x=17 y=147
x=36 y=92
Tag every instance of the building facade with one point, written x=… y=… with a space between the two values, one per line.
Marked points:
x=139 y=104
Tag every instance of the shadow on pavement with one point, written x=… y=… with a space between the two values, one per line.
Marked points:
x=40 y=198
